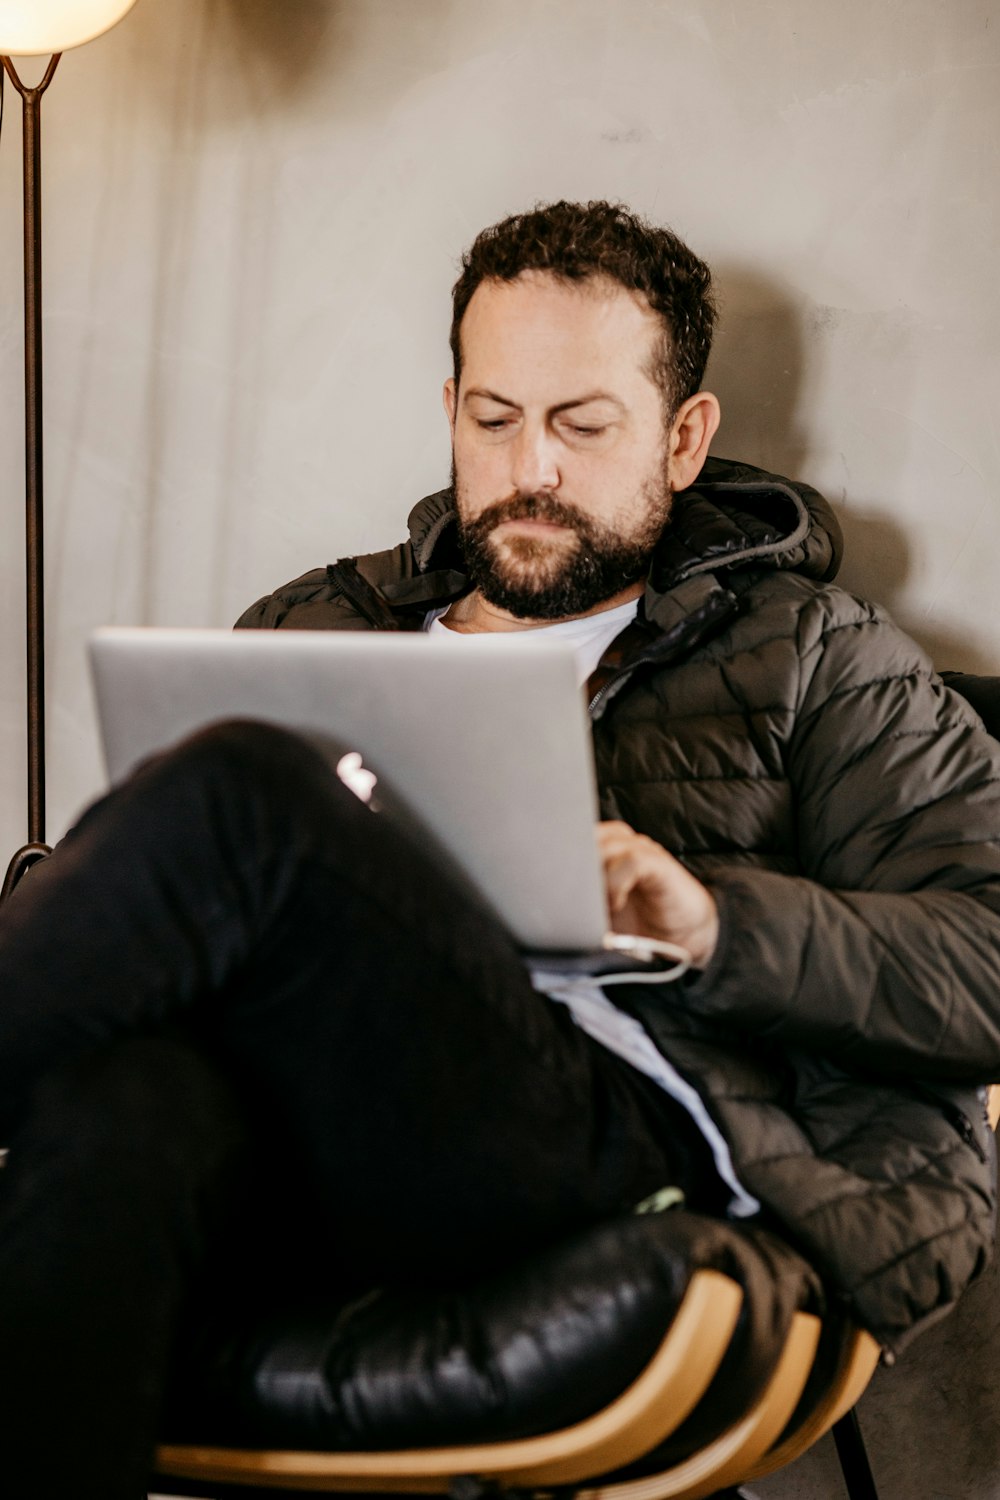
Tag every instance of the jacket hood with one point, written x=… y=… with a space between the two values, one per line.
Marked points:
x=738 y=516
x=735 y=516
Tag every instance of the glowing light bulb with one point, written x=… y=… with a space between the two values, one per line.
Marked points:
x=31 y=27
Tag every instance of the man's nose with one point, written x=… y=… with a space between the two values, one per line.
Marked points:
x=535 y=462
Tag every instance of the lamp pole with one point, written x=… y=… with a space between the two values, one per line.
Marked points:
x=31 y=114
x=39 y=28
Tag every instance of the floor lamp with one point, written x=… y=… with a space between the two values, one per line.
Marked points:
x=39 y=28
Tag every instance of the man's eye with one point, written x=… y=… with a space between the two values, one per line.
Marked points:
x=491 y=424
x=585 y=431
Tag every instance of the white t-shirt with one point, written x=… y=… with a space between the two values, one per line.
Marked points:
x=589 y=637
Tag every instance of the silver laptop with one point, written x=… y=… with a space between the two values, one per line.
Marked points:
x=482 y=740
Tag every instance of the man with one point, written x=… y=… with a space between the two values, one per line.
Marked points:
x=786 y=790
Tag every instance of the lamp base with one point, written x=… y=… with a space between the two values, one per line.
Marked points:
x=22 y=862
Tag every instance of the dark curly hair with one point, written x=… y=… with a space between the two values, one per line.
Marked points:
x=577 y=240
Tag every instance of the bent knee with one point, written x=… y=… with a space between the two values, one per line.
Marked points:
x=244 y=750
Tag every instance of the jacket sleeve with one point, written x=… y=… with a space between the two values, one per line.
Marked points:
x=884 y=954
x=306 y=602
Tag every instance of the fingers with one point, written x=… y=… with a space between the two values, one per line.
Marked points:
x=631 y=860
x=653 y=893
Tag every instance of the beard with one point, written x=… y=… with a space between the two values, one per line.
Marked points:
x=537 y=578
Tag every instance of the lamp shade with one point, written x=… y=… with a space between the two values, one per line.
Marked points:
x=43 y=26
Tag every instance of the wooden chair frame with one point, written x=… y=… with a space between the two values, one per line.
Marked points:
x=641 y=1418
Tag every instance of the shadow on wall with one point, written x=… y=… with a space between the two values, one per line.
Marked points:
x=286 y=47
x=758 y=369
x=294 y=50
x=214 y=68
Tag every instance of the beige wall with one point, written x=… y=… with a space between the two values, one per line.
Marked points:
x=252 y=215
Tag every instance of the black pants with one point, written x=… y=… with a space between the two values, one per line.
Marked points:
x=233 y=985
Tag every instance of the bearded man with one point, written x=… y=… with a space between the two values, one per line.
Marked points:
x=787 y=790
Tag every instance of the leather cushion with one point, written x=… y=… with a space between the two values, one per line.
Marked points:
x=541 y=1345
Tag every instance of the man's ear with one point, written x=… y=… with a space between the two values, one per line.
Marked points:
x=694 y=427
x=450 y=394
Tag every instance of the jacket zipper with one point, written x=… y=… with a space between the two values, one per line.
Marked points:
x=957 y=1119
x=963 y=1125
x=613 y=683
x=708 y=617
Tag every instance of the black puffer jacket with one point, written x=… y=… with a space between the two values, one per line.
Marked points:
x=799 y=754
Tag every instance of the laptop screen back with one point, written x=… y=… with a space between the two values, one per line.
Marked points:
x=484 y=738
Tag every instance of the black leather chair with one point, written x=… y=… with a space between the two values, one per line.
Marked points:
x=653 y=1355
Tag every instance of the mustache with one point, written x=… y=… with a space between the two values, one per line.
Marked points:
x=539 y=507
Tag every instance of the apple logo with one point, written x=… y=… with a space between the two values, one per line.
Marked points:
x=354 y=776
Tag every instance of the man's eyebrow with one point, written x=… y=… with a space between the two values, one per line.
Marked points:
x=480 y=390
x=586 y=400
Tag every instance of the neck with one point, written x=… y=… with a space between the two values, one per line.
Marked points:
x=473 y=615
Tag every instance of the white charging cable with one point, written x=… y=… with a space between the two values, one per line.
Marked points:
x=645 y=949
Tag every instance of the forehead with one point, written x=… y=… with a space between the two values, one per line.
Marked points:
x=540 y=325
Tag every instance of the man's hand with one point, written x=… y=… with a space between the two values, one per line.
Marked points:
x=651 y=894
